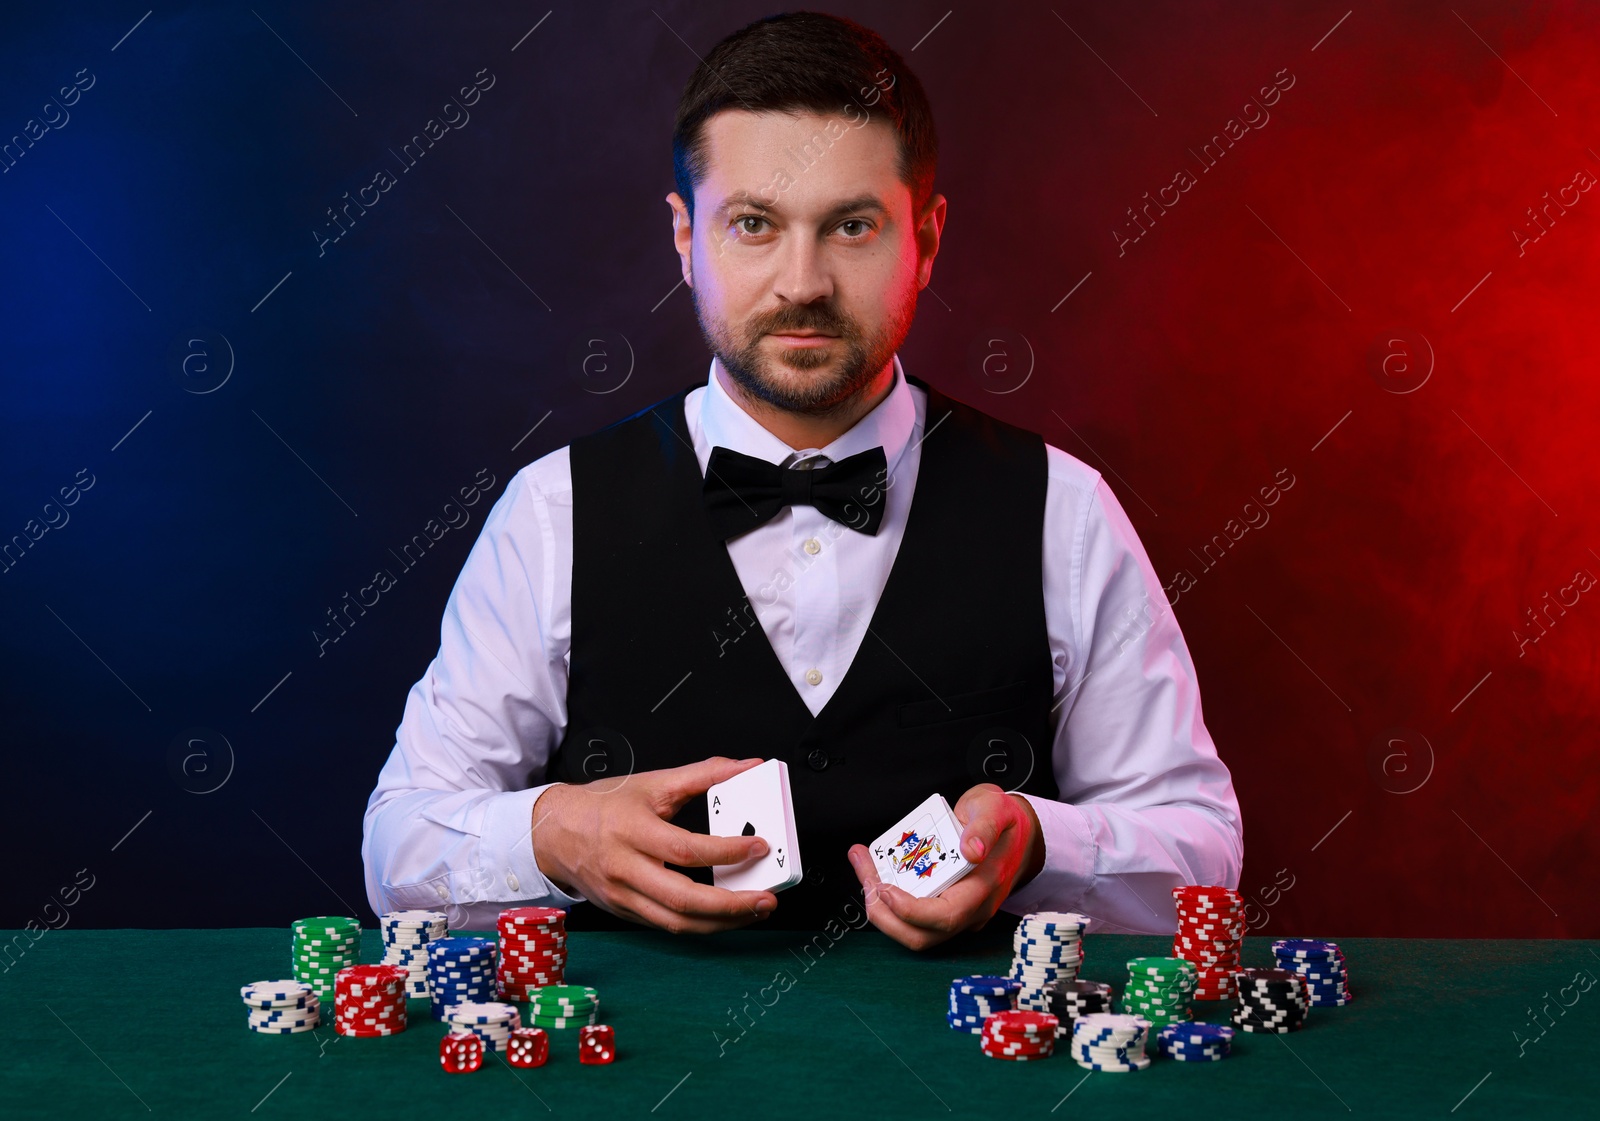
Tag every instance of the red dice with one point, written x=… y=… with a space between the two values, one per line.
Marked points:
x=461 y=1052
x=597 y=1043
x=529 y=1047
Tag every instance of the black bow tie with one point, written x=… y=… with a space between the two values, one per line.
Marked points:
x=742 y=492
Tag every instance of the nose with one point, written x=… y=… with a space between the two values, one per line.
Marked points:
x=802 y=276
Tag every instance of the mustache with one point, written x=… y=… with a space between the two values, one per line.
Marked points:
x=788 y=326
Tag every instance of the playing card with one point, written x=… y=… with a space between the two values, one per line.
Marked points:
x=756 y=803
x=921 y=853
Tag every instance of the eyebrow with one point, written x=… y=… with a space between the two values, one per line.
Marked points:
x=745 y=198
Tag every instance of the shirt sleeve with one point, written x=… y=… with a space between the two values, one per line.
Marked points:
x=449 y=825
x=1145 y=802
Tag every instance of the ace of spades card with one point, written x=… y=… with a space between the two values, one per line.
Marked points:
x=756 y=803
x=921 y=853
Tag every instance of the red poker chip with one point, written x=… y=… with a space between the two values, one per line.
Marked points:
x=540 y=915
x=1014 y=1053
x=1021 y=1018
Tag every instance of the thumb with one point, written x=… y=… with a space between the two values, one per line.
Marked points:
x=677 y=785
x=982 y=821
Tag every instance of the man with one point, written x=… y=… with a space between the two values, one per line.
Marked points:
x=810 y=556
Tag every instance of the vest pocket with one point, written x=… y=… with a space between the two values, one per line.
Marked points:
x=961 y=706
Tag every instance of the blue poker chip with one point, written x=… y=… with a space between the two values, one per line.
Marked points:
x=983 y=985
x=461 y=948
x=1197 y=1033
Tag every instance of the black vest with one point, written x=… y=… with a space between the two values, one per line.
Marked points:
x=951 y=685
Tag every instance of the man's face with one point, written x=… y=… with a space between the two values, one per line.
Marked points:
x=802 y=225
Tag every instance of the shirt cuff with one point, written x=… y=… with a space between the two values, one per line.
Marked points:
x=1069 y=852
x=507 y=849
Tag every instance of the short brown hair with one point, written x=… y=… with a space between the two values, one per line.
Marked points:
x=806 y=61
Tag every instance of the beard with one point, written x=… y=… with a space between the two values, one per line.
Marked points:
x=809 y=381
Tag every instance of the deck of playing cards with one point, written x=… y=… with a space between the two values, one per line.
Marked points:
x=756 y=803
x=921 y=854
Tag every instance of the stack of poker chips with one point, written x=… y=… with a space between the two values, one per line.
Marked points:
x=281 y=1007
x=489 y=1020
x=1271 y=1000
x=406 y=935
x=321 y=947
x=1105 y=1041
x=1159 y=989
x=1210 y=934
x=1195 y=1043
x=1322 y=966
x=563 y=1006
x=1047 y=947
x=974 y=999
x=460 y=970
x=1067 y=1000
x=1019 y=1035
x=533 y=950
x=597 y=1043
x=370 y=1000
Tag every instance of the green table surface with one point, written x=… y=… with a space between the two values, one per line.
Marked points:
x=121 y=1023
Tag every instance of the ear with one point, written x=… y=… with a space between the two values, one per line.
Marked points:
x=682 y=236
x=929 y=232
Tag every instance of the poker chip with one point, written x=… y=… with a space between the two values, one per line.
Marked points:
x=974 y=999
x=1210 y=934
x=533 y=950
x=277 y=994
x=491 y=1021
x=322 y=946
x=1159 y=989
x=1320 y=964
x=406 y=935
x=1067 y=1000
x=1195 y=1042
x=460 y=971
x=563 y=1006
x=370 y=1000
x=1019 y=1034
x=597 y=1043
x=1047 y=948
x=1110 y=1042
x=281 y=1007
x=1270 y=1000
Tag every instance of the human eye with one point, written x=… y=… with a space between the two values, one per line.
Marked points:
x=742 y=230
x=861 y=224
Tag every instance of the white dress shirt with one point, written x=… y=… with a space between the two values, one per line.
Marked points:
x=1145 y=802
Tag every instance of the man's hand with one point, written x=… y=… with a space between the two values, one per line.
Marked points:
x=610 y=838
x=1000 y=835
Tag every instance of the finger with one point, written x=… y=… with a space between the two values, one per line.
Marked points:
x=874 y=893
x=674 y=786
x=677 y=893
x=654 y=914
x=688 y=849
x=983 y=812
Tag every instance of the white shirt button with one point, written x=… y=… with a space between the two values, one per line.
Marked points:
x=512 y=882
x=813 y=546
x=814 y=676
x=444 y=893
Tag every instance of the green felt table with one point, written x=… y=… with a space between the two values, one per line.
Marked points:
x=118 y=1023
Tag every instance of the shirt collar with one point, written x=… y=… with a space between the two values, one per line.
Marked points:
x=724 y=423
